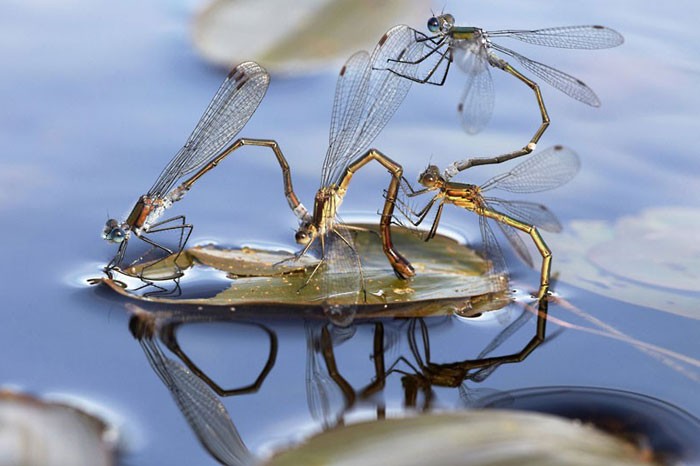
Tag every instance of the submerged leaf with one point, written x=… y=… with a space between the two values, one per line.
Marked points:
x=651 y=259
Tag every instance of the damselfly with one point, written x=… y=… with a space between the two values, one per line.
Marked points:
x=365 y=100
x=474 y=52
x=230 y=109
x=543 y=171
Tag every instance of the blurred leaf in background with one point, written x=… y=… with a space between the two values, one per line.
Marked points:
x=649 y=259
x=298 y=37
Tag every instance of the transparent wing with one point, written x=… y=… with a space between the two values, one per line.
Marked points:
x=492 y=250
x=476 y=104
x=202 y=409
x=543 y=171
x=517 y=243
x=376 y=98
x=347 y=103
x=228 y=112
x=505 y=334
x=531 y=213
x=567 y=37
x=569 y=85
x=342 y=278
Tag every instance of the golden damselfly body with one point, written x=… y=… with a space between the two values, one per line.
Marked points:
x=542 y=171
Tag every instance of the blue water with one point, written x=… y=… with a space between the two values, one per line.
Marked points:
x=97 y=96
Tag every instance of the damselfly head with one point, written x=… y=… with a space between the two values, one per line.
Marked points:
x=305 y=234
x=113 y=232
x=431 y=178
x=441 y=24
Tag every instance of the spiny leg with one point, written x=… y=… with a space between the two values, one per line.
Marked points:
x=446 y=55
x=408 y=211
x=160 y=226
x=184 y=237
x=153 y=246
x=422 y=40
x=160 y=290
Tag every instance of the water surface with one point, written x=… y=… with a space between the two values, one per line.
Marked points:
x=97 y=96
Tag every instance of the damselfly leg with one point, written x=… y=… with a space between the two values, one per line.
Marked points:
x=543 y=171
x=365 y=100
x=475 y=52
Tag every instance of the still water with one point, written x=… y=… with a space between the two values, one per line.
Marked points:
x=97 y=96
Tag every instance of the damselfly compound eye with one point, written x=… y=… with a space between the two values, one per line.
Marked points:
x=117 y=235
x=302 y=237
x=447 y=22
x=433 y=24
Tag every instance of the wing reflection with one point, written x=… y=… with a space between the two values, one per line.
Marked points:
x=337 y=387
x=194 y=392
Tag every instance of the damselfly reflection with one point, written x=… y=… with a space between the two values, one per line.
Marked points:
x=194 y=392
x=420 y=373
x=331 y=395
x=474 y=52
x=543 y=171
x=230 y=109
x=365 y=100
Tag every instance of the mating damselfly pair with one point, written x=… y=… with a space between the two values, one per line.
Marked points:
x=369 y=90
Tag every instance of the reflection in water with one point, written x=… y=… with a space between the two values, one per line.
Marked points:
x=423 y=374
x=418 y=373
x=194 y=393
x=330 y=394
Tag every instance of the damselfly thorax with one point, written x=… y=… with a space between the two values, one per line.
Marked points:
x=145 y=213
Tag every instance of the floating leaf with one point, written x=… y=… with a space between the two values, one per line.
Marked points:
x=311 y=34
x=449 y=277
x=474 y=438
x=651 y=259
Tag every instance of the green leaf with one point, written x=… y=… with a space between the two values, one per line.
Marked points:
x=450 y=277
